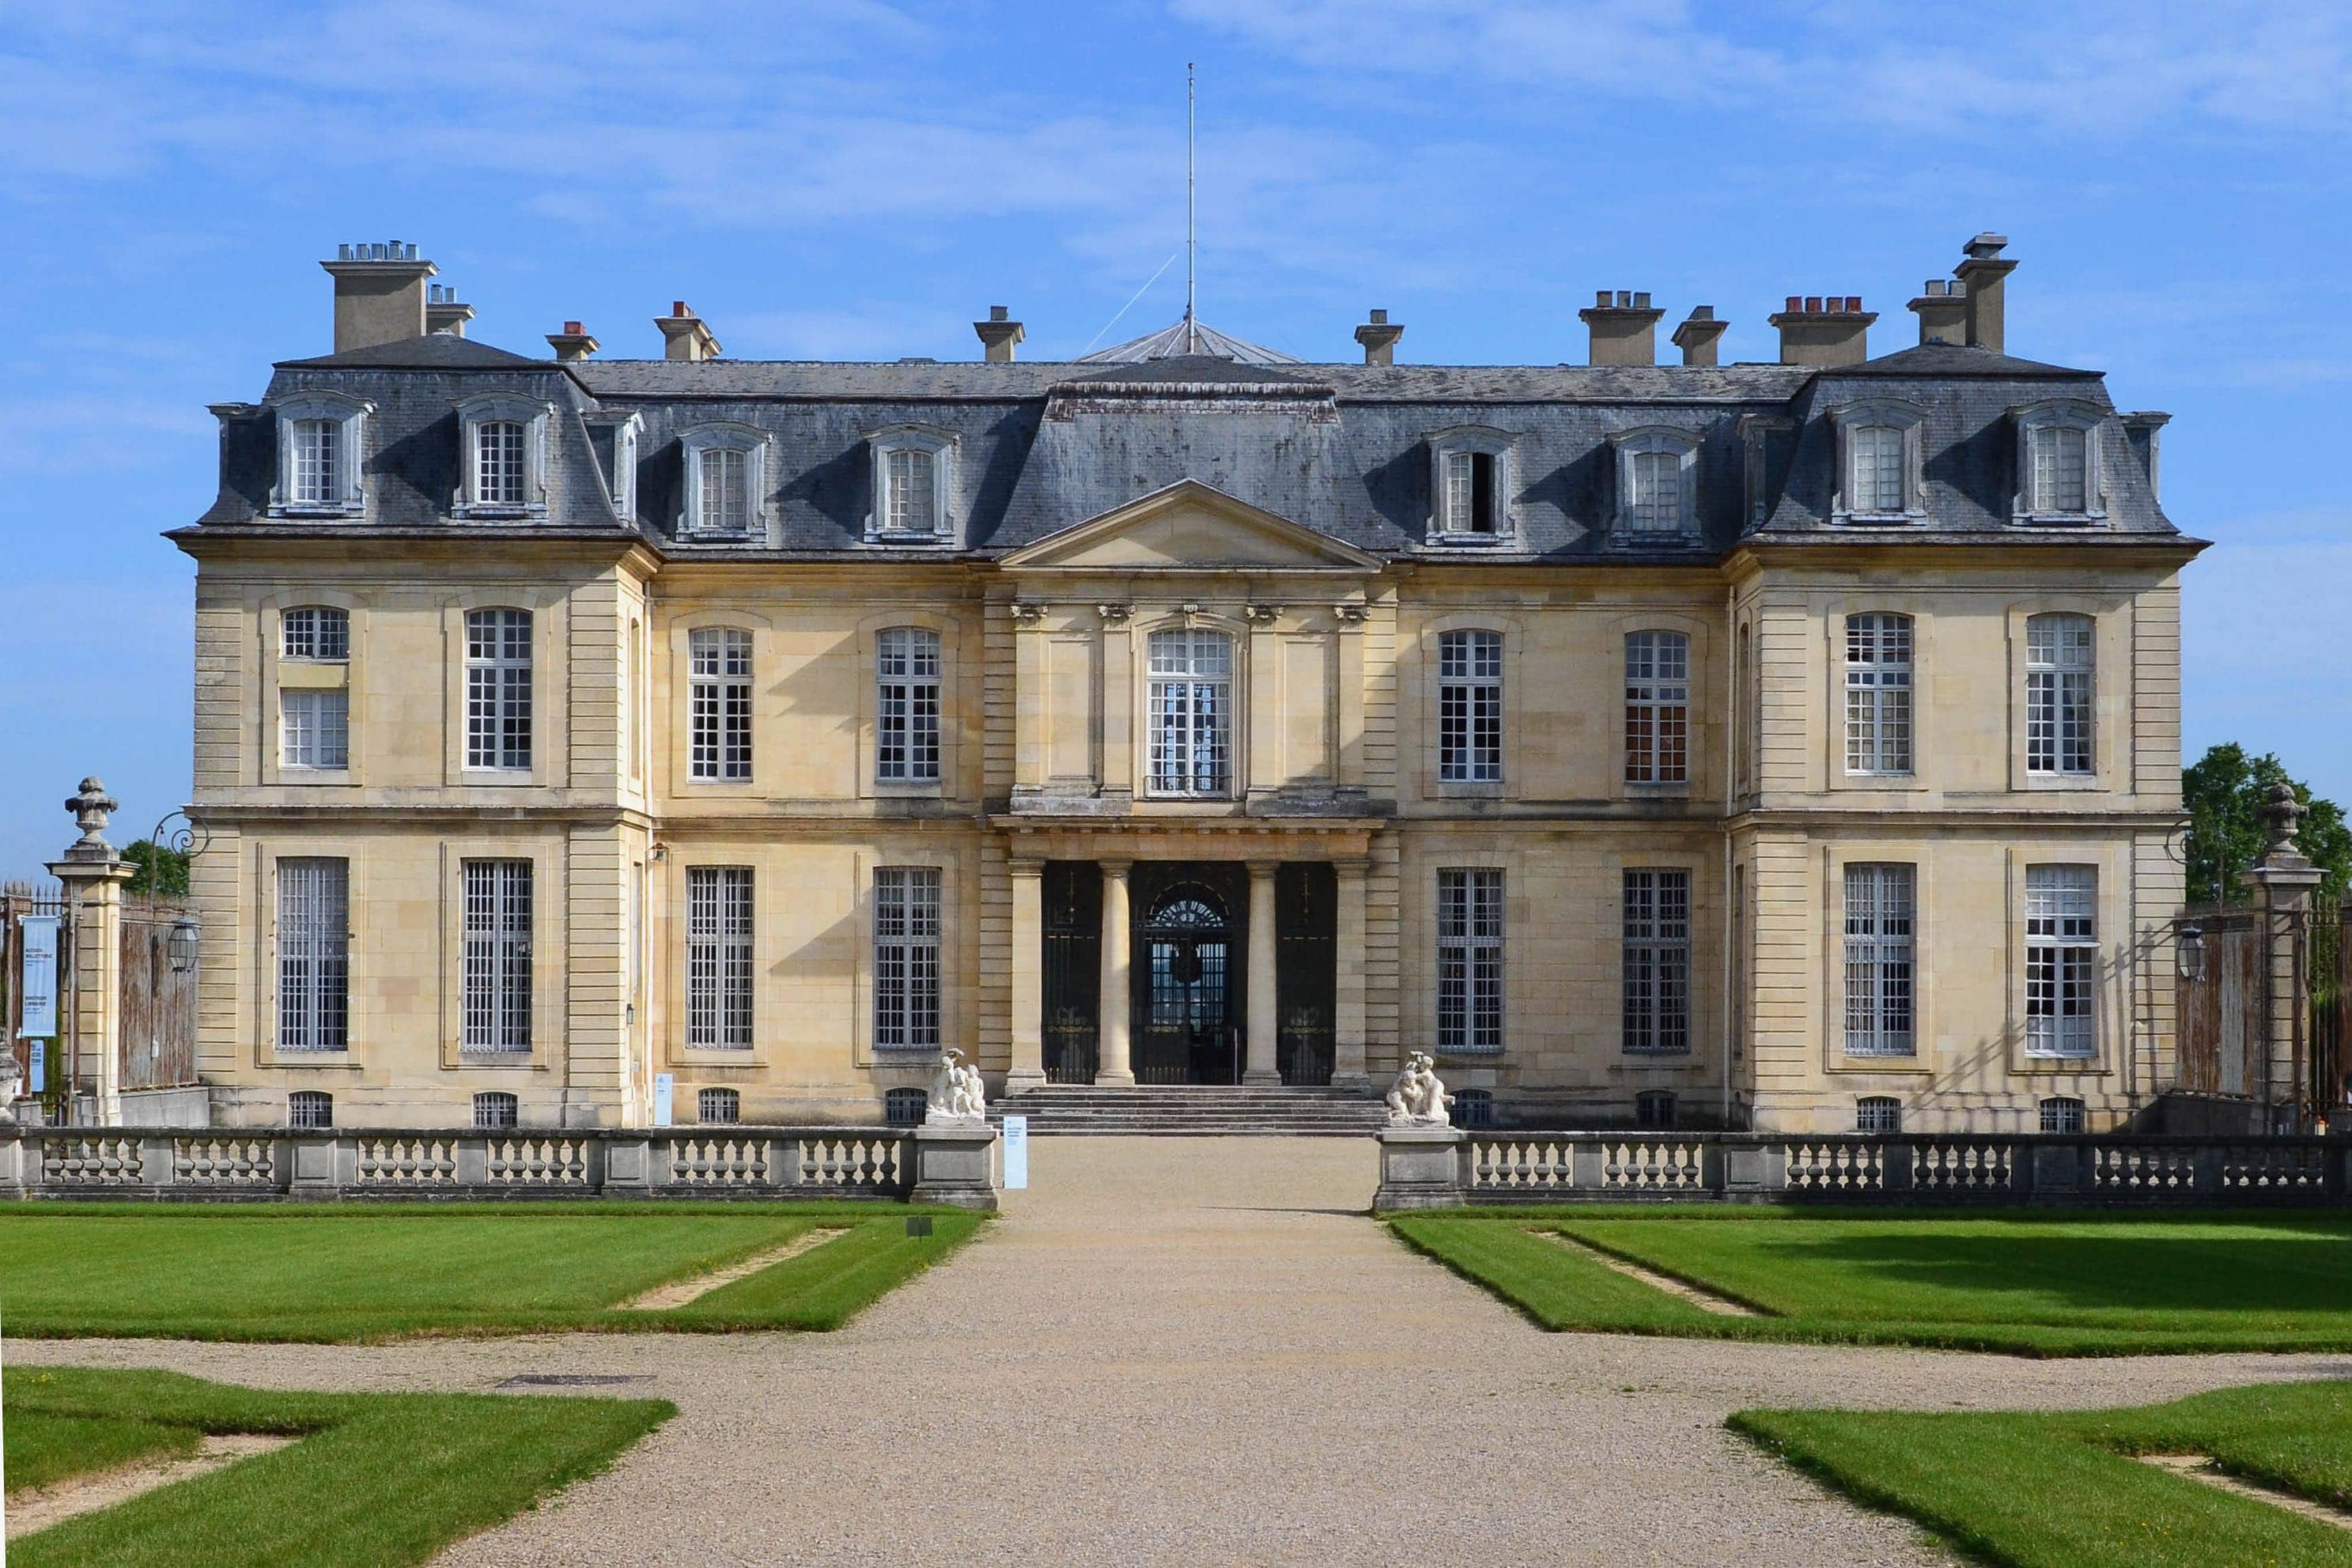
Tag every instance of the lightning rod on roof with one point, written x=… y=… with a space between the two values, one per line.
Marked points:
x=1191 y=208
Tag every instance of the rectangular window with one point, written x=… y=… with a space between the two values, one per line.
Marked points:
x=496 y=1112
x=911 y=475
x=497 y=982
x=314 y=728
x=719 y=741
x=310 y=1110
x=1468 y=504
x=1657 y=943
x=1657 y=708
x=319 y=633
x=1879 y=1115
x=1470 y=962
x=718 y=957
x=1470 y=707
x=2059 y=694
x=1878 y=694
x=719 y=1106
x=726 y=489
x=2060 y=459
x=907 y=706
x=2061 y=1113
x=1876 y=453
x=498 y=476
x=906 y=957
x=1880 y=958
x=1191 y=727
x=314 y=937
x=2062 y=959
x=498 y=689
x=317 y=468
x=1657 y=498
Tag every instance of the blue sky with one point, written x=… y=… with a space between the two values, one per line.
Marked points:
x=847 y=179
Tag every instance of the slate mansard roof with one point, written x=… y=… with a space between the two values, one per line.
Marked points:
x=1040 y=447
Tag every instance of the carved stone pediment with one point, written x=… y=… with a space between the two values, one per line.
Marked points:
x=1190 y=527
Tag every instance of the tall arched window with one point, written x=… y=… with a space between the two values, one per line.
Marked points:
x=1192 y=713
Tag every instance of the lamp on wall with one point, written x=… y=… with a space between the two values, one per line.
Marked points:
x=189 y=840
x=181 y=945
x=2189 y=952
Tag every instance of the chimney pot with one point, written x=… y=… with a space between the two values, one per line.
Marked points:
x=381 y=294
x=999 y=335
x=573 y=327
x=1795 y=304
x=1378 y=336
x=1624 y=327
x=1813 y=303
x=1379 y=317
x=684 y=335
x=1000 y=312
x=1982 y=274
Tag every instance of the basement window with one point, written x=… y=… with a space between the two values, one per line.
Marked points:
x=719 y=1106
x=904 y=1107
x=493 y=1110
x=310 y=1110
x=2061 y=1113
x=1654 y=1109
x=1878 y=1113
x=1474 y=1108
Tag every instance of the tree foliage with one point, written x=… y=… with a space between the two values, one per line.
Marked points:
x=163 y=871
x=2224 y=792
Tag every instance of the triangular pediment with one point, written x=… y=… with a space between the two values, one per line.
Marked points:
x=1190 y=527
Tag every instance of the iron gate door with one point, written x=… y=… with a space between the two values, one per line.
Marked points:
x=1072 y=970
x=1187 y=981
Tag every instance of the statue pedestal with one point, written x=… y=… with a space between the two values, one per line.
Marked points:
x=1421 y=1167
x=955 y=1164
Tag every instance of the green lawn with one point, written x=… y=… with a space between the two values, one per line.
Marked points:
x=342 y=1273
x=2068 y=1284
x=2060 y=1492
x=373 y=1480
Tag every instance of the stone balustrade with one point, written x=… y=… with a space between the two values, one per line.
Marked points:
x=1442 y=1167
x=926 y=1164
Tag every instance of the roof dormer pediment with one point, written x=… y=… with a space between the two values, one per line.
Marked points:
x=1190 y=527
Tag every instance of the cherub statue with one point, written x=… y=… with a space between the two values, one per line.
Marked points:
x=1418 y=1098
x=957 y=1094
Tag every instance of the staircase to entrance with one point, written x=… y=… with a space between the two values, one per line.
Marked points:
x=1177 y=1111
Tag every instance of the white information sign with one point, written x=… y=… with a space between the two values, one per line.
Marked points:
x=1016 y=1153
x=37 y=1079
x=40 y=977
x=663 y=1085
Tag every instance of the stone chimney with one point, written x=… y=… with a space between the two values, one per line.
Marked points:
x=1624 y=330
x=684 y=335
x=379 y=293
x=443 y=312
x=572 y=344
x=1378 y=336
x=1943 y=311
x=999 y=335
x=1982 y=275
x=1824 y=330
x=1697 y=335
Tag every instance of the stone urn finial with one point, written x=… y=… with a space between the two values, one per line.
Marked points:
x=2281 y=814
x=91 y=808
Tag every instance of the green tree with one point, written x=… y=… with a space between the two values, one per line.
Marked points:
x=163 y=871
x=2224 y=793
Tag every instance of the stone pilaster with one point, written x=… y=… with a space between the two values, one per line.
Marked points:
x=1348 y=1021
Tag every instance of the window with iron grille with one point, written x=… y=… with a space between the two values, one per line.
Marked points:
x=910 y=476
x=315 y=633
x=1657 y=708
x=498 y=689
x=1470 y=961
x=499 y=472
x=494 y=1109
x=2062 y=959
x=317 y=467
x=1654 y=1109
x=719 y=1106
x=309 y=1109
x=2060 y=685
x=725 y=473
x=1470 y=707
x=906 y=957
x=314 y=937
x=1880 y=958
x=907 y=706
x=1657 y=962
x=1875 y=480
x=314 y=728
x=1191 y=718
x=2061 y=459
x=718 y=957
x=1878 y=694
x=1879 y=1113
x=1657 y=493
x=497 y=984
x=2061 y=1113
x=718 y=742
x=904 y=1107
x=1474 y=1108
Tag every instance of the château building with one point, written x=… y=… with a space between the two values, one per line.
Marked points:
x=1789 y=744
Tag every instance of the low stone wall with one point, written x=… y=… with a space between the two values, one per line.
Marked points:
x=1444 y=1167
x=946 y=1165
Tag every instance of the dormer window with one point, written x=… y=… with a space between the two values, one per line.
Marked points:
x=504 y=440
x=726 y=478
x=2059 y=478
x=1657 y=486
x=1880 y=458
x=913 y=479
x=1470 y=485
x=319 y=455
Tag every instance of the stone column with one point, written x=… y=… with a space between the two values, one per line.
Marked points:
x=2284 y=881
x=1027 y=1069
x=1348 y=1068
x=1113 y=1007
x=92 y=988
x=1261 y=1068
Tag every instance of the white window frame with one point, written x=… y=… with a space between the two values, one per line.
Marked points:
x=2061 y=695
x=1471 y=931
x=314 y=635
x=314 y=954
x=718 y=661
x=2061 y=962
x=1655 y=441
x=1656 y=942
x=496 y=703
x=1173 y=714
x=914 y=441
x=908 y=979
x=748 y=444
x=1452 y=516
x=909 y=665
x=1470 y=706
x=625 y=430
x=495 y=993
x=721 y=923
x=1910 y=424
x=1881 y=653
x=346 y=495
x=314 y=728
x=1657 y=708
x=1878 y=1115
x=2030 y=507
x=1882 y=958
x=510 y=408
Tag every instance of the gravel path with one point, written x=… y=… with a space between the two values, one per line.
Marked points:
x=1198 y=1351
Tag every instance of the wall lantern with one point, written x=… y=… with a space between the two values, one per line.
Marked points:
x=181 y=945
x=2189 y=952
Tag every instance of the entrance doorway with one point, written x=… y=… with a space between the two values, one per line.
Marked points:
x=1189 y=986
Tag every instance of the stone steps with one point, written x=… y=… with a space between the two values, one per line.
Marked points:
x=1193 y=1111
